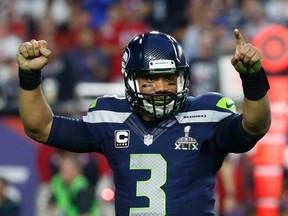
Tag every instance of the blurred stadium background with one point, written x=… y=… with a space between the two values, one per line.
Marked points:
x=87 y=38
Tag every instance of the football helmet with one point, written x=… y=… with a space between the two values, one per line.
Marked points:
x=155 y=53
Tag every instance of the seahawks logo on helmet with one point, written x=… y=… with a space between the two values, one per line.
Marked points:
x=125 y=59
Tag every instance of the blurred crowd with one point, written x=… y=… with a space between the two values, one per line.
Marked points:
x=87 y=38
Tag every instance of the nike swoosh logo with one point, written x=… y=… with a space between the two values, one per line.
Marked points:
x=229 y=105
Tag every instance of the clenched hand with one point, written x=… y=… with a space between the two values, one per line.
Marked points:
x=33 y=55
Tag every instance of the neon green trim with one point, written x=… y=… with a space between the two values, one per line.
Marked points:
x=93 y=105
x=227 y=103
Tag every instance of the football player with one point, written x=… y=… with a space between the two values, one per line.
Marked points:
x=163 y=146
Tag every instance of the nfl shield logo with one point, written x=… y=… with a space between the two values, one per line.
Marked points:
x=148 y=139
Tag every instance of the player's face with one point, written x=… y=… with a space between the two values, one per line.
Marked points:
x=157 y=83
x=158 y=91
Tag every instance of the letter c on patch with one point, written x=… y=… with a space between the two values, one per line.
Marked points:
x=122 y=136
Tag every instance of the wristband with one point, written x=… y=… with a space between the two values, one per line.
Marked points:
x=255 y=85
x=29 y=80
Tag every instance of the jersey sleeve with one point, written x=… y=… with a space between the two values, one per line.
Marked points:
x=72 y=135
x=230 y=134
x=232 y=137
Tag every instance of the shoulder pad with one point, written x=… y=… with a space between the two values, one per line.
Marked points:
x=214 y=99
x=227 y=103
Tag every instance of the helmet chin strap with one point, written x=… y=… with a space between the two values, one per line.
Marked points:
x=159 y=111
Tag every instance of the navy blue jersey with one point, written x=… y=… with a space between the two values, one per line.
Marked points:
x=163 y=169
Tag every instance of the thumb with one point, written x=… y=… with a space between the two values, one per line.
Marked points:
x=44 y=48
x=45 y=52
x=43 y=44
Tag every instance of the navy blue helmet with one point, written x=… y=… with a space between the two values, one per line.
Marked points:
x=155 y=52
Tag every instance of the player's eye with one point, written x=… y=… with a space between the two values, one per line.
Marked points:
x=147 y=78
x=171 y=77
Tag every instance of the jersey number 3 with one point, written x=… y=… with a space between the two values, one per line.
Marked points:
x=150 y=188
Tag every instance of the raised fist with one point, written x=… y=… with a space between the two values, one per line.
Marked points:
x=33 y=55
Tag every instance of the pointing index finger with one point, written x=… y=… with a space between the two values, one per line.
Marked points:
x=239 y=38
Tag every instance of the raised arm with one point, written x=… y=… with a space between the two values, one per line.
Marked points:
x=256 y=108
x=34 y=111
